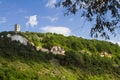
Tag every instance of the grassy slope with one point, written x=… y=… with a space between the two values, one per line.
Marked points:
x=19 y=62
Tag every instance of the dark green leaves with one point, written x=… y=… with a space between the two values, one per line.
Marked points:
x=105 y=14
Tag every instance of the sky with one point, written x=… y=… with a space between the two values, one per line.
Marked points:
x=42 y=16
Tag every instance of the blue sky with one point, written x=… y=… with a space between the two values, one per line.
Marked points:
x=42 y=16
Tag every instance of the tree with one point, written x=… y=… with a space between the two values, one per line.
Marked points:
x=97 y=11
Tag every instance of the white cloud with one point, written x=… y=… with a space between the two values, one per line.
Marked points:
x=114 y=42
x=52 y=19
x=51 y=3
x=118 y=43
x=32 y=21
x=57 y=29
x=3 y=20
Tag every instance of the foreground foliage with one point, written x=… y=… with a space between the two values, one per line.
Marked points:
x=104 y=14
x=20 y=62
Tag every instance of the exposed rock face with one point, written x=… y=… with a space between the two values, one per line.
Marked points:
x=18 y=38
x=83 y=51
x=8 y=35
x=44 y=50
x=57 y=50
x=37 y=48
x=103 y=54
x=2 y=36
x=32 y=43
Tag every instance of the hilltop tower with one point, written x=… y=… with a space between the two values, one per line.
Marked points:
x=17 y=28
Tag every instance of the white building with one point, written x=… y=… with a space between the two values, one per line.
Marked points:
x=17 y=28
x=57 y=50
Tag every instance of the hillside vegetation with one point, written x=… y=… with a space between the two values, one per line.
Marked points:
x=83 y=59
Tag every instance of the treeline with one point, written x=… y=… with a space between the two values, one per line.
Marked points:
x=71 y=42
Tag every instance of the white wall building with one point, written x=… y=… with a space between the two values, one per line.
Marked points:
x=17 y=28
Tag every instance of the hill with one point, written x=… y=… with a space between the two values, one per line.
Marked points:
x=40 y=56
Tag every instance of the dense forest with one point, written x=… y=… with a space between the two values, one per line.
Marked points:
x=83 y=59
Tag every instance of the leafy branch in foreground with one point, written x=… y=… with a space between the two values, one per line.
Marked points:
x=105 y=14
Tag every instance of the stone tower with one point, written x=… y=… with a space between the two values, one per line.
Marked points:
x=17 y=28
